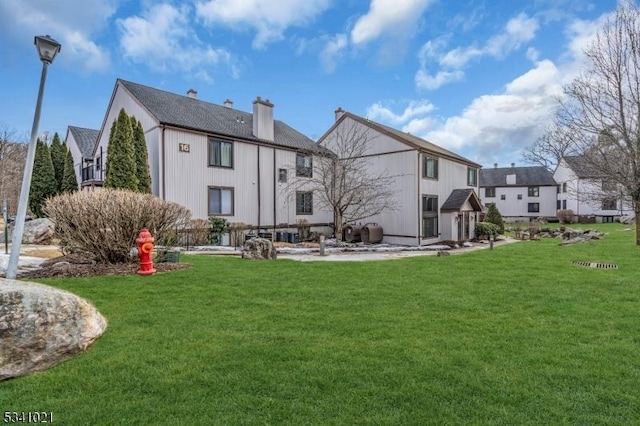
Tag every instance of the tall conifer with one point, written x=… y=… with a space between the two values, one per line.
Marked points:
x=43 y=180
x=142 y=157
x=58 y=153
x=69 y=178
x=121 y=159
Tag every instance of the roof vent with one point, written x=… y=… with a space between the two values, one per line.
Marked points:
x=339 y=113
x=495 y=165
x=193 y=94
x=513 y=164
x=228 y=103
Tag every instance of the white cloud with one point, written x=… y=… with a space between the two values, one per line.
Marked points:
x=387 y=16
x=163 y=39
x=73 y=23
x=414 y=109
x=269 y=18
x=432 y=82
x=516 y=33
x=332 y=51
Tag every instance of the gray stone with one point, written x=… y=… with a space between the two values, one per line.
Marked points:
x=36 y=231
x=41 y=326
x=258 y=249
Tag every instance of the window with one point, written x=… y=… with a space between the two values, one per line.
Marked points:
x=489 y=192
x=472 y=176
x=564 y=187
x=220 y=201
x=304 y=165
x=503 y=197
x=519 y=196
x=429 y=167
x=564 y=204
x=609 y=204
x=534 y=191
x=558 y=205
x=429 y=216
x=558 y=189
x=608 y=186
x=304 y=202
x=220 y=153
x=534 y=208
x=282 y=175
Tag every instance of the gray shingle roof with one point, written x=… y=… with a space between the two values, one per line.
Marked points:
x=525 y=176
x=190 y=113
x=581 y=167
x=458 y=197
x=86 y=139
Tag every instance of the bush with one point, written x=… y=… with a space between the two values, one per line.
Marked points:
x=494 y=216
x=219 y=226
x=488 y=229
x=199 y=230
x=565 y=216
x=105 y=224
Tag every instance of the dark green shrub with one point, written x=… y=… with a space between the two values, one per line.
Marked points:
x=488 y=229
x=494 y=216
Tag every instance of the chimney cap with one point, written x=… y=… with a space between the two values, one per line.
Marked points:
x=259 y=100
x=495 y=165
x=192 y=93
x=513 y=164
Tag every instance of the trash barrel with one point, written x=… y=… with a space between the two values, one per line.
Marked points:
x=371 y=233
x=351 y=233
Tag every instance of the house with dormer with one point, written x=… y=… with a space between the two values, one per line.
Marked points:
x=520 y=193
x=217 y=160
x=435 y=191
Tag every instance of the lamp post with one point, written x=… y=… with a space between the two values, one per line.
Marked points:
x=48 y=48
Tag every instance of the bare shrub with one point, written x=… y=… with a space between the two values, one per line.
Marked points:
x=565 y=216
x=236 y=232
x=199 y=230
x=105 y=224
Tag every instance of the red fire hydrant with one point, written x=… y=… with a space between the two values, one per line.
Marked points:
x=145 y=251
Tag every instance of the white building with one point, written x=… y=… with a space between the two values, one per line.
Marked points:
x=586 y=193
x=216 y=160
x=82 y=142
x=435 y=190
x=520 y=193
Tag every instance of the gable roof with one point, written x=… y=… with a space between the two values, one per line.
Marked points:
x=194 y=114
x=458 y=198
x=581 y=167
x=406 y=138
x=86 y=139
x=525 y=176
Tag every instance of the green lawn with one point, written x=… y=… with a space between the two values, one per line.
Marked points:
x=514 y=335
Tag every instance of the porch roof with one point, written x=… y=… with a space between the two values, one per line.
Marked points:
x=458 y=198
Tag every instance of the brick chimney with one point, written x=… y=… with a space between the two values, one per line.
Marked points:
x=263 y=119
x=339 y=113
x=193 y=94
x=228 y=103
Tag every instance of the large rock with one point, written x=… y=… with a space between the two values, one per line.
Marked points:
x=41 y=326
x=258 y=249
x=36 y=231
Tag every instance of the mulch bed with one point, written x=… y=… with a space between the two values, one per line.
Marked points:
x=76 y=265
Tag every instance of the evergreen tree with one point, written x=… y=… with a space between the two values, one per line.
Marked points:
x=142 y=157
x=43 y=181
x=121 y=159
x=69 y=179
x=494 y=216
x=58 y=153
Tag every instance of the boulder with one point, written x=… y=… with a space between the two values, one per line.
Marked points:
x=258 y=249
x=36 y=231
x=41 y=326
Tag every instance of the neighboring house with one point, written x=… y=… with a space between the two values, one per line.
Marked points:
x=435 y=189
x=520 y=193
x=584 y=191
x=216 y=160
x=81 y=143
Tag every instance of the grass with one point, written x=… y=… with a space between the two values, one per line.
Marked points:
x=516 y=335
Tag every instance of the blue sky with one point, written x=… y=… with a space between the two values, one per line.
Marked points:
x=476 y=77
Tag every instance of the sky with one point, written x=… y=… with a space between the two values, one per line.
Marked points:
x=478 y=77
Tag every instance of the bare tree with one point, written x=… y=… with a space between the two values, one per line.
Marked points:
x=550 y=148
x=600 y=113
x=12 y=159
x=344 y=179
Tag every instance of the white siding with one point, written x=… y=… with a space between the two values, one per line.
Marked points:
x=512 y=208
x=77 y=156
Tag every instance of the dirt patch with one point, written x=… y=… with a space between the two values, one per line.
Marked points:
x=75 y=265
